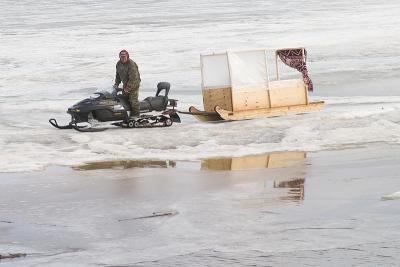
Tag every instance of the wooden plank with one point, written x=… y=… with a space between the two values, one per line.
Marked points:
x=217 y=97
x=276 y=65
x=266 y=67
x=248 y=100
x=288 y=93
x=202 y=72
x=269 y=112
x=203 y=115
x=230 y=80
x=306 y=95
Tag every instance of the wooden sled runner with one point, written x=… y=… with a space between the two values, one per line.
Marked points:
x=236 y=86
x=204 y=115
x=227 y=115
x=268 y=112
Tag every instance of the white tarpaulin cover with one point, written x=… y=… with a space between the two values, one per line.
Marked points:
x=242 y=70
x=248 y=70
x=215 y=71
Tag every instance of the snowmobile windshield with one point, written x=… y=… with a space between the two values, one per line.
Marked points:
x=104 y=93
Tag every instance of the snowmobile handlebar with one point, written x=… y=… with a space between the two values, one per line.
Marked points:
x=160 y=86
x=116 y=91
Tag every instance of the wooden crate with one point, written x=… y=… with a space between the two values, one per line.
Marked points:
x=217 y=97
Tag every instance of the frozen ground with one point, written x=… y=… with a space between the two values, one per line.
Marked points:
x=54 y=53
x=327 y=210
x=324 y=210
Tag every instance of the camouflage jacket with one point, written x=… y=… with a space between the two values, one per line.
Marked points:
x=128 y=74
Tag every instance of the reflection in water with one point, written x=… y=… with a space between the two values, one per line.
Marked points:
x=125 y=164
x=291 y=188
x=295 y=186
x=272 y=160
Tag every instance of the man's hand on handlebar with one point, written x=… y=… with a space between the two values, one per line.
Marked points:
x=116 y=90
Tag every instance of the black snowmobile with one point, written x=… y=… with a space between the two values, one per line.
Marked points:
x=114 y=107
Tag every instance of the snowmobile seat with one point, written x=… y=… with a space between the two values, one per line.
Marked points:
x=158 y=102
x=151 y=103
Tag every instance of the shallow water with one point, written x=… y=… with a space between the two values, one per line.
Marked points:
x=264 y=161
x=322 y=210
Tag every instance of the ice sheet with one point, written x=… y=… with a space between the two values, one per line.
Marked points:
x=34 y=144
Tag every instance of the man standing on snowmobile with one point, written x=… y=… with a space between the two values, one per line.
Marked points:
x=128 y=73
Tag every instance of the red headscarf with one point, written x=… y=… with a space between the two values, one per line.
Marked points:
x=124 y=51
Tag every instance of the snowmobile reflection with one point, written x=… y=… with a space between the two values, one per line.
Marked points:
x=113 y=107
x=125 y=164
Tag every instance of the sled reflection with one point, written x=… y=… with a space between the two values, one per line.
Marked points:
x=125 y=164
x=295 y=189
x=266 y=161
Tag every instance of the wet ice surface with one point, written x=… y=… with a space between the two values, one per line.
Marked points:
x=56 y=53
x=358 y=255
x=322 y=210
x=346 y=122
x=329 y=213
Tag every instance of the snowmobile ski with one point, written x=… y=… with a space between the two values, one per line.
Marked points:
x=55 y=124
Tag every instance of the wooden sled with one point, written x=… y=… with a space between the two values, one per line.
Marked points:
x=226 y=115
x=236 y=86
